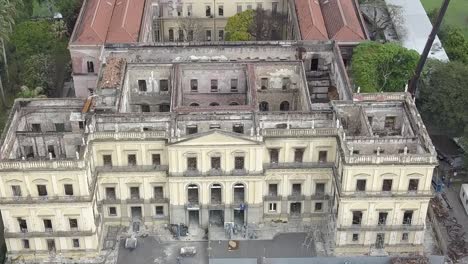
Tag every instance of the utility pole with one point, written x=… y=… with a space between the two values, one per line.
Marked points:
x=413 y=84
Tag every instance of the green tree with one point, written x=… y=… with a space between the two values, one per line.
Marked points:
x=382 y=67
x=33 y=37
x=443 y=100
x=70 y=10
x=237 y=27
x=455 y=44
x=26 y=92
x=39 y=71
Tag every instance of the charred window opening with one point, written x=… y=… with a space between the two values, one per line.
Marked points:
x=284 y=106
x=383 y=218
x=68 y=189
x=215 y=163
x=192 y=193
x=387 y=185
x=142 y=86
x=41 y=190
x=296 y=189
x=263 y=106
x=361 y=185
x=191 y=130
x=145 y=108
x=274 y=155
x=194 y=85
x=239 y=163
x=264 y=83
x=323 y=156
x=163 y=85
x=408 y=217
x=158 y=192
x=131 y=160
x=216 y=194
x=110 y=193
x=357 y=217
x=238 y=128
x=134 y=192
x=23 y=225
x=239 y=193
x=413 y=185
x=156 y=159
x=107 y=160
x=298 y=155
x=273 y=189
x=192 y=164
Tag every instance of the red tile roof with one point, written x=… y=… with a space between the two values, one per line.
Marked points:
x=109 y=21
x=342 y=20
x=311 y=21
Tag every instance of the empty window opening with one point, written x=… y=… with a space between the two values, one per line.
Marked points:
x=159 y=210
x=238 y=128
x=214 y=86
x=216 y=194
x=208 y=11
x=323 y=156
x=355 y=237
x=239 y=163
x=59 y=127
x=76 y=243
x=215 y=126
x=194 y=104
x=42 y=190
x=404 y=237
x=215 y=163
x=158 y=192
x=192 y=194
x=189 y=10
x=319 y=188
x=285 y=83
x=179 y=10
x=383 y=218
x=156 y=159
x=28 y=151
x=90 y=66
x=68 y=189
x=387 y=185
x=214 y=104
x=361 y=185
x=163 y=85
x=191 y=130
x=220 y=10
x=131 y=160
x=295 y=209
x=234 y=103
x=370 y=119
x=296 y=189
x=50 y=245
x=142 y=85
x=112 y=211
x=208 y=35
x=234 y=84
x=413 y=185
x=171 y=34
x=16 y=190
x=357 y=217
x=408 y=217
x=51 y=151
x=272 y=207
x=273 y=189
x=264 y=83
x=145 y=108
x=390 y=122
x=25 y=243
x=318 y=207
x=164 y=107
x=190 y=35
x=263 y=106
x=107 y=160
x=181 y=35
x=135 y=193
x=36 y=127
x=314 y=63
x=73 y=222
x=298 y=155
x=239 y=193
x=274 y=156
x=194 y=85
x=22 y=225
x=110 y=193
x=284 y=106
x=221 y=35
x=192 y=164
x=81 y=124
x=239 y=9
x=47 y=225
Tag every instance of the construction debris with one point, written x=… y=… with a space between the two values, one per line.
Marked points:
x=112 y=73
x=410 y=260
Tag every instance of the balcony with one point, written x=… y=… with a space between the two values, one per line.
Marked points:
x=44 y=199
x=135 y=199
x=45 y=164
x=129 y=168
x=272 y=198
x=320 y=196
x=47 y=233
x=299 y=132
x=393 y=194
x=298 y=165
x=159 y=200
x=192 y=205
x=128 y=135
x=296 y=197
x=216 y=206
x=381 y=228
x=215 y=172
x=111 y=200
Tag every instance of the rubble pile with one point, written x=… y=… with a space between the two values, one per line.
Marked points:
x=410 y=260
x=112 y=74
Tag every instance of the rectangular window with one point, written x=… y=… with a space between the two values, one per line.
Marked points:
x=171 y=34
x=50 y=244
x=28 y=151
x=370 y=119
x=264 y=83
x=208 y=11
x=296 y=189
x=272 y=207
x=131 y=160
x=318 y=207
x=298 y=155
x=59 y=127
x=239 y=163
x=134 y=192
x=110 y=193
x=26 y=244
x=51 y=151
x=190 y=35
x=382 y=218
x=274 y=155
x=142 y=86
x=90 y=66
x=285 y=83
x=361 y=185
x=220 y=10
x=194 y=85
x=81 y=124
x=322 y=156
x=36 y=127
x=68 y=189
x=319 y=188
x=47 y=225
x=387 y=185
x=221 y=35
x=23 y=225
x=163 y=85
x=42 y=190
x=181 y=35
x=156 y=159
x=112 y=211
x=73 y=223
x=191 y=130
x=215 y=163
x=107 y=160
x=214 y=85
x=404 y=237
x=76 y=243
x=158 y=192
x=208 y=35
x=145 y=108
x=16 y=190
x=189 y=10
x=314 y=63
x=192 y=163
x=357 y=217
x=390 y=122
x=273 y=189
x=355 y=237
x=179 y=10
x=238 y=128
x=234 y=84
x=407 y=217
x=239 y=9
x=413 y=185
x=274 y=8
x=159 y=210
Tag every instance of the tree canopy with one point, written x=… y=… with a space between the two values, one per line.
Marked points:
x=238 y=26
x=33 y=37
x=383 y=67
x=443 y=100
x=256 y=25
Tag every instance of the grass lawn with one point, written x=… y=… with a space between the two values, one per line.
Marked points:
x=457 y=13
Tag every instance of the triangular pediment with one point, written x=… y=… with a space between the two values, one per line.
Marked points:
x=215 y=138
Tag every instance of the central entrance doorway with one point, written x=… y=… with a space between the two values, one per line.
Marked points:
x=194 y=216
x=136 y=212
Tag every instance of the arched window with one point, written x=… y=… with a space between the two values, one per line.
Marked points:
x=90 y=65
x=239 y=193
x=234 y=103
x=214 y=104
x=165 y=107
x=284 y=106
x=263 y=106
x=194 y=104
x=192 y=194
x=216 y=193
